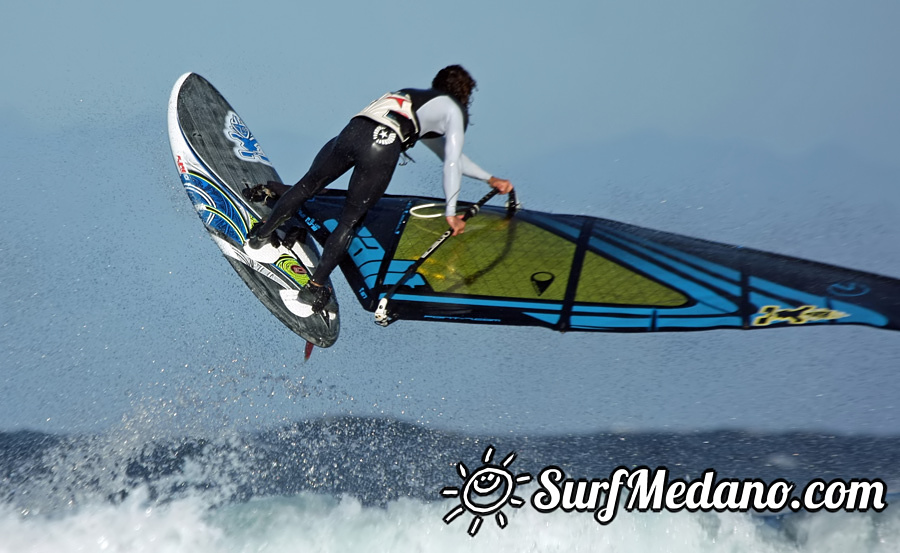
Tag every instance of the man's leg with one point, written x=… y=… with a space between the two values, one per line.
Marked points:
x=371 y=176
x=332 y=161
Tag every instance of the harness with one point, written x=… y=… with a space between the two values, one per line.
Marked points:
x=395 y=111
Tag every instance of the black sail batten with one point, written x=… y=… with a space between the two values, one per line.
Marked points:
x=575 y=271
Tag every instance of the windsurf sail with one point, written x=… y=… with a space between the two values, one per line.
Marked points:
x=580 y=273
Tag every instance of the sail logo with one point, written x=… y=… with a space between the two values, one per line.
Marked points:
x=772 y=314
x=246 y=147
x=542 y=280
x=486 y=491
x=848 y=289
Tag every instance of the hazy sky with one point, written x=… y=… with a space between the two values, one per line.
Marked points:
x=787 y=76
x=769 y=123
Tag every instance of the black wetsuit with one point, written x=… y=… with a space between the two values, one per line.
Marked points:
x=373 y=165
x=373 y=150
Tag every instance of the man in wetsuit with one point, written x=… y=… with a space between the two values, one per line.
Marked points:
x=371 y=144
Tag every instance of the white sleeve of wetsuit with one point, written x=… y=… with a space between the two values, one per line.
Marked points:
x=447 y=119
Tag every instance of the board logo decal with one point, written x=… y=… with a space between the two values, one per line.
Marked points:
x=293 y=269
x=245 y=145
x=771 y=314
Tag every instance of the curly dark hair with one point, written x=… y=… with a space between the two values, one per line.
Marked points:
x=456 y=81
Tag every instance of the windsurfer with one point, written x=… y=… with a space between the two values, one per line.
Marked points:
x=371 y=144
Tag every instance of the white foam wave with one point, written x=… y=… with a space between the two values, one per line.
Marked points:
x=310 y=522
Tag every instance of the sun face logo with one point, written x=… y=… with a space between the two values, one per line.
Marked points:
x=486 y=491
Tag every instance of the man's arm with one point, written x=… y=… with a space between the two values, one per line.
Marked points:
x=456 y=164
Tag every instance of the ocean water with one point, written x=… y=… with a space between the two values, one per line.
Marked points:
x=175 y=414
x=372 y=484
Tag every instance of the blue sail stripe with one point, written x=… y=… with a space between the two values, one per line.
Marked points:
x=698 y=309
x=730 y=288
x=786 y=292
x=696 y=291
x=859 y=314
x=512 y=304
x=705 y=322
x=583 y=322
x=724 y=272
